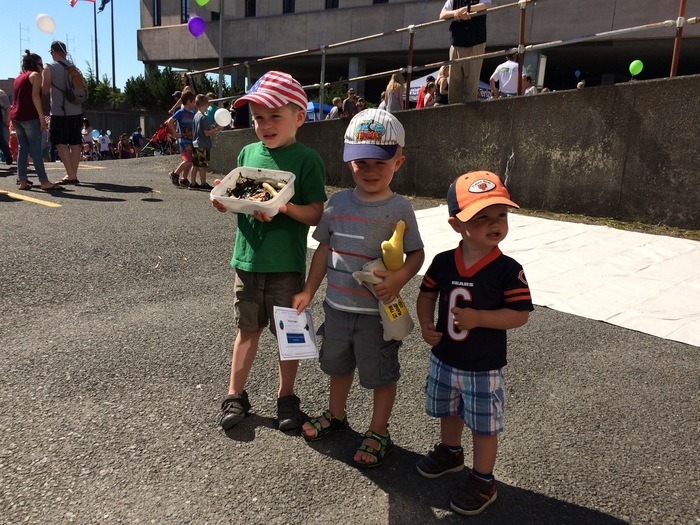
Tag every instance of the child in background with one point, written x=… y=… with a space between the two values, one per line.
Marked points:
x=429 y=96
x=125 y=150
x=350 y=233
x=201 y=133
x=481 y=293
x=105 y=145
x=180 y=127
x=270 y=252
x=211 y=109
x=337 y=108
x=137 y=141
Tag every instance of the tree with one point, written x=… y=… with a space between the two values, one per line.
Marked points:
x=102 y=96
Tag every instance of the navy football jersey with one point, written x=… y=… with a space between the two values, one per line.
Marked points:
x=496 y=281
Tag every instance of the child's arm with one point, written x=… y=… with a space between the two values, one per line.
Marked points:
x=393 y=282
x=308 y=214
x=501 y=319
x=176 y=106
x=425 y=310
x=212 y=129
x=317 y=271
x=170 y=123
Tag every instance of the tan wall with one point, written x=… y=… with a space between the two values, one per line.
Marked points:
x=627 y=151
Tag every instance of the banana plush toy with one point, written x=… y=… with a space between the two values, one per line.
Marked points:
x=396 y=320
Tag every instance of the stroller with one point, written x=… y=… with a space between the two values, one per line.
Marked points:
x=161 y=143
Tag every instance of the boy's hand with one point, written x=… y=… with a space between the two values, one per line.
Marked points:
x=429 y=334
x=301 y=300
x=217 y=204
x=465 y=318
x=261 y=216
x=389 y=288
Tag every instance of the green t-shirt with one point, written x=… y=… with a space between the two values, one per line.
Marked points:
x=279 y=245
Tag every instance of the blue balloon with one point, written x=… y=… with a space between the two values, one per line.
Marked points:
x=95 y=133
x=577 y=73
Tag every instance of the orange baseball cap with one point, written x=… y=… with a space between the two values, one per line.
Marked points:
x=472 y=192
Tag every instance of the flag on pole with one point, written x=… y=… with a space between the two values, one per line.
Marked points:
x=73 y=2
x=102 y=5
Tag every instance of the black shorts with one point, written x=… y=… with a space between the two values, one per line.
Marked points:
x=66 y=129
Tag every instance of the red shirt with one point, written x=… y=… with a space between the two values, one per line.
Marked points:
x=420 y=103
x=23 y=107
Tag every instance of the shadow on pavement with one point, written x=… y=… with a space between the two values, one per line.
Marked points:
x=4 y=197
x=117 y=188
x=245 y=430
x=414 y=499
x=70 y=194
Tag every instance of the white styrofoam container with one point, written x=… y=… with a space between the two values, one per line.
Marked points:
x=271 y=207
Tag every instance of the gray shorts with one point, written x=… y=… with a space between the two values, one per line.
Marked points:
x=356 y=341
x=256 y=293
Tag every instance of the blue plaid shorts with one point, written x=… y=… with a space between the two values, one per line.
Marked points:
x=478 y=398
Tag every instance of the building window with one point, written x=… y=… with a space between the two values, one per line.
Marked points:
x=381 y=1
x=249 y=8
x=156 y=13
x=215 y=16
x=331 y=4
x=287 y=6
x=184 y=11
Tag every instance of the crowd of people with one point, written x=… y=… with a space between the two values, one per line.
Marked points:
x=98 y=144
x=47 y=123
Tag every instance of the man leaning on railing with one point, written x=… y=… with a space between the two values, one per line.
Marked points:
x=468 y=38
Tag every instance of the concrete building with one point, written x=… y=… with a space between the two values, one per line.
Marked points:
x=258 y=28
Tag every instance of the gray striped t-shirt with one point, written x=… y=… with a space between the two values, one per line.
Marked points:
x=354 y=230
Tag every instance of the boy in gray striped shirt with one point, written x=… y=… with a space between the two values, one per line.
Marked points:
x=350 y=233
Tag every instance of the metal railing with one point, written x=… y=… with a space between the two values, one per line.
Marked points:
x=409 y=69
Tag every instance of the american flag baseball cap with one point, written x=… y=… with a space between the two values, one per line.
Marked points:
x=373 y=134
x=472 y=192
x=274 y=90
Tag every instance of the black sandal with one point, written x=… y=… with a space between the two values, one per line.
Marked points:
x=333 y=425
x=384 y=447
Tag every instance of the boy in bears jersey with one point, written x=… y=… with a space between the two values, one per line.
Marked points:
x=480 y=293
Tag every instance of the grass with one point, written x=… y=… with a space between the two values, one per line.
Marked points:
x=654 y=229
x=420 y=203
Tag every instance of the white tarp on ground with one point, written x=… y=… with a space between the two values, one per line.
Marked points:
x=648 y=283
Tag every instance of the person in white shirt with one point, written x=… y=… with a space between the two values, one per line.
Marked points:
x=506 y=74
x=529 y=88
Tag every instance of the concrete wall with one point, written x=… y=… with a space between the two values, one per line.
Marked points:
x=626 y=151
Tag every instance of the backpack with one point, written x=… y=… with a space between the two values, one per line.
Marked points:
x=76 y=88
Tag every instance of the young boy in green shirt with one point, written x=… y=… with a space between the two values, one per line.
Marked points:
x=270 y=252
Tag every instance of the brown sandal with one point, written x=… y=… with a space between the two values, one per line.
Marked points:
x=65 y=182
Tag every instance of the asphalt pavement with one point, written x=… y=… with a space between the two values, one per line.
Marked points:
x=115 y=338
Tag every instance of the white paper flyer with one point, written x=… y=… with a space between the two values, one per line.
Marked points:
x=296 y=336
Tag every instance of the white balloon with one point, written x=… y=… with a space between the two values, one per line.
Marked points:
x=222 y=117
x=109 y=133
x=45 y=23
